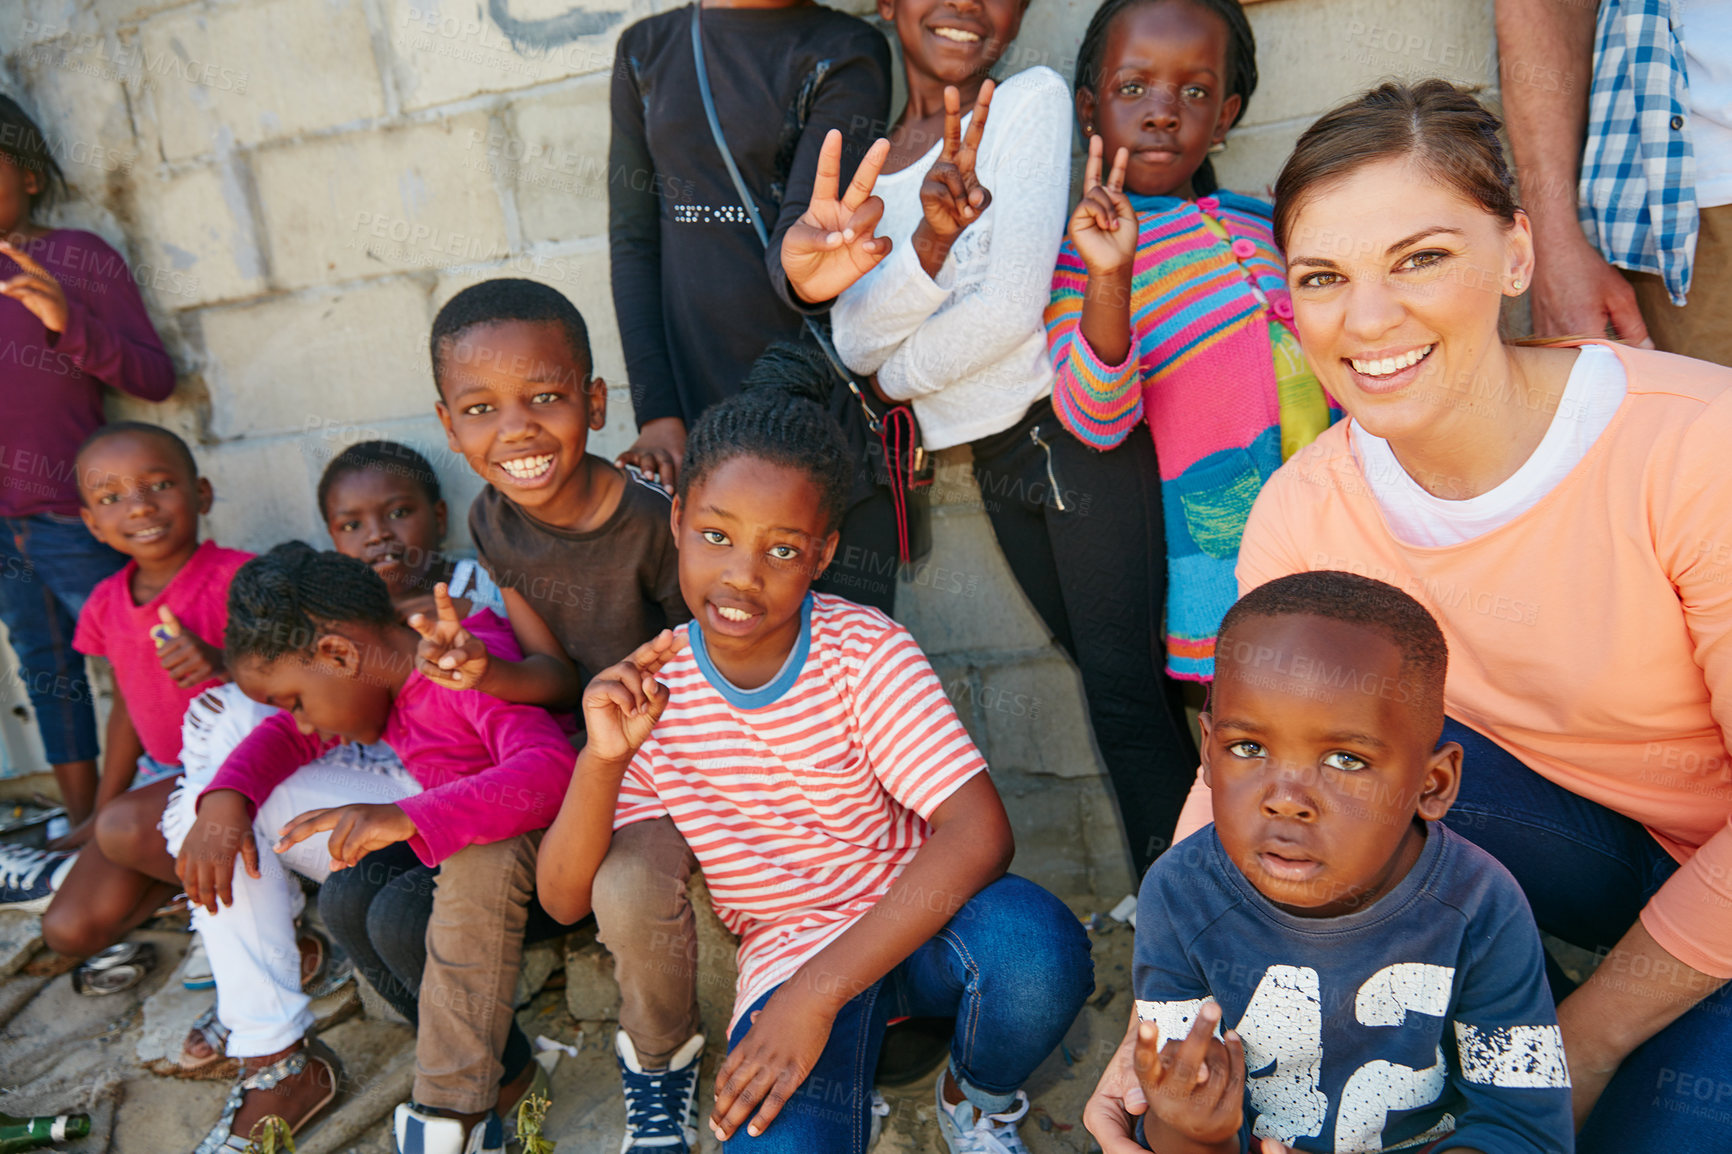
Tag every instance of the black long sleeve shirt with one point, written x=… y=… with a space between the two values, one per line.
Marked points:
x=696 y=296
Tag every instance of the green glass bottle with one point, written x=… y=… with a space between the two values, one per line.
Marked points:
x=35 y=1133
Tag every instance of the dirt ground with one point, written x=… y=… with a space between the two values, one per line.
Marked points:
x=60 y=1051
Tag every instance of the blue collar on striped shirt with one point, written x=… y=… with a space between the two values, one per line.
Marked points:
x=772 y=690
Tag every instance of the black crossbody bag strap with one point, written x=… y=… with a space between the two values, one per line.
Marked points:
x=751 y=206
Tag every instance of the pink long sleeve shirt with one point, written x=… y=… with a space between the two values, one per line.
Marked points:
x=489 y=769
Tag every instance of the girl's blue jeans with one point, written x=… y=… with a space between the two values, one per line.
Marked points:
x=1587 y=872
x=49 y=563
x=1012 y=967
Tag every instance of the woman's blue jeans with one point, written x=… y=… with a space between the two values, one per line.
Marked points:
x=1587 y=872
x=1012 y=967
x=49 y=563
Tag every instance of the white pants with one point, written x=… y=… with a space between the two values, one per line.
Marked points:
x=251 y=943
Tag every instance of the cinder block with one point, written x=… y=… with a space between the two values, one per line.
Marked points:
x=1312 y=56
x=1032 y=713
x=362 y=204
x=262 y=495
x=447 y=50
x=300 y=362
x=554 y=151
x=963 y=597
x=1103 y=838
x=195 y=238
x=1046 y=817
x=75 y=88
x=1254 y=156
x=245 y=73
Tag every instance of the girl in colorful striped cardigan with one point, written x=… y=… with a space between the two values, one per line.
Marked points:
x=1170 y=302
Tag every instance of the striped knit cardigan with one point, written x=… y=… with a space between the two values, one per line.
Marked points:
x=1201 y=371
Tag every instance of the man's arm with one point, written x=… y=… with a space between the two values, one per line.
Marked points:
x=1545 y=68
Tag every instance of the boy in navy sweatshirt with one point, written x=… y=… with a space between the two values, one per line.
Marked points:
x=1384 y=977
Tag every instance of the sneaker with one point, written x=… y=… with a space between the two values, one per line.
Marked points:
x=967 y=1131
x=29 y=877
x=195 y=972
x=661 y=1106
x=419 y=1131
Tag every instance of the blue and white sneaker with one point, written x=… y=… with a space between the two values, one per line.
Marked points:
x=967 y=1131
x=419 y=1131
x=661 y=1106
x=29 y=877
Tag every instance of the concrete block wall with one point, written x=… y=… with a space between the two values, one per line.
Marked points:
x=300 y=184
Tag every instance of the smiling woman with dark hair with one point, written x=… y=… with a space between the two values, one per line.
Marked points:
x=1563 y=511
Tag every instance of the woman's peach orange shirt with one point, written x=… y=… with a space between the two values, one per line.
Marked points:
x=1591 y=636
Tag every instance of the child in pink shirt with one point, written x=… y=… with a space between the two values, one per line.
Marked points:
x=160 y=622
x=316 y=635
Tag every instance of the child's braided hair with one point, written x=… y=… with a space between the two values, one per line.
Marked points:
x=281 y=602
x=1241 y=61
x=780 y=416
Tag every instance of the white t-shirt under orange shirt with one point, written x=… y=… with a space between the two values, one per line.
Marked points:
x=805 y=798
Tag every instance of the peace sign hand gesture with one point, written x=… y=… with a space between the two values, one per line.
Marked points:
x=36 y=289
x=832 y=245
x=448 y=654
x=623 y=703
x=952 y=197
x=1104 y=226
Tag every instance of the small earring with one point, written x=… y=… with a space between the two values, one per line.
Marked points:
x=1516 y=285
x=1218 y=146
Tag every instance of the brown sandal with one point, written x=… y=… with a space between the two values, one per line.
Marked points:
x=222 y=1136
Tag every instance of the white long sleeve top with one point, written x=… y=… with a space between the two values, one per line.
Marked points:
x=968 y=349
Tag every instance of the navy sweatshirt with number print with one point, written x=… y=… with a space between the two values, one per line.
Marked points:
x=1425 y=1014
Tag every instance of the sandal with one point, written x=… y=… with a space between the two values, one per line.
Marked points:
x=120 y=967
x=331 y=966
x=216 y=1035
x=222 y=1136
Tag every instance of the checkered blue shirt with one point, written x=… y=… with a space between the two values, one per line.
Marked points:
x=1637 y=195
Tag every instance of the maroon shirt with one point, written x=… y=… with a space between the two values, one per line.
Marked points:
x=51 y=389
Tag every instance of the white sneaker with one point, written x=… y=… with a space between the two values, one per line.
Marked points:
x=967 y=1131
x=195 y=971
x=661 y=1107
x=421 y=1132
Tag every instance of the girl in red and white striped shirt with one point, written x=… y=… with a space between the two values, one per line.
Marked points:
x=842 y=816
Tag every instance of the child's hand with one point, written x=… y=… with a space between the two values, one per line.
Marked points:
x=448 y=654
x=770 y=1063
x=36 y=289
x=1104 y=226
x=952 y=197
x=1195 y=1087
x=183 y=653
x=831 y=246
x=623 y=703
x=356 y=831
x=206 y=865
